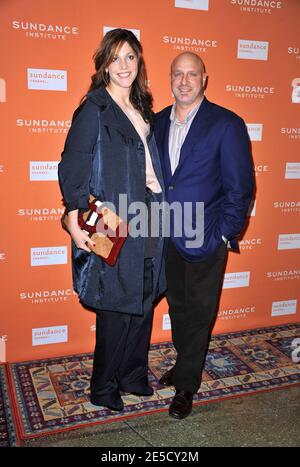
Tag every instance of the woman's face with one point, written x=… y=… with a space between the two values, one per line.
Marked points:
x=124 y=67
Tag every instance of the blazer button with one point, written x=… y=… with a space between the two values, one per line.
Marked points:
x=171 y=187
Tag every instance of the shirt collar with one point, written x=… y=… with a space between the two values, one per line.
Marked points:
x=189 y=116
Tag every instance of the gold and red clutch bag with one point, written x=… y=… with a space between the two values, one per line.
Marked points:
x=105 y=228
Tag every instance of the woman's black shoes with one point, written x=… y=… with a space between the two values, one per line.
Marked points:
x=166 y=379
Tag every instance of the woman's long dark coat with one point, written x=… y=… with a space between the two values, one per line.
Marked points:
x=100 y=128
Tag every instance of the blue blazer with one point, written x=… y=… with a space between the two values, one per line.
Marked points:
x=215 y=167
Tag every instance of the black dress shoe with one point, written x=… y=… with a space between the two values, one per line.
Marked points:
x=166 y=379
x=181 y=405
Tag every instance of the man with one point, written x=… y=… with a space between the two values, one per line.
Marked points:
x=205 y=157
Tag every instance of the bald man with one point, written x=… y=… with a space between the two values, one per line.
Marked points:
x=204 y=150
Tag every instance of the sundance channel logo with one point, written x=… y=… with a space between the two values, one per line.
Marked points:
x=39 y=126
x=250 y=91
x=289 y=241
x=236 y=313
x=50 y=335
x=255 y=131
x=3 y=341
x=192 y=4
x=166 y=322
x=295 y=91
x=234 y=280
x=46 y=80
x=45 y=31
x=48 y=256
x=285 y=307
x=292 y=171
x=43 y=171
x=261 y=7
x=2 y=90
x=252 y=209
x=252 y=50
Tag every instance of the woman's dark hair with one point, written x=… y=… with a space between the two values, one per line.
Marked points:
x=113 y=40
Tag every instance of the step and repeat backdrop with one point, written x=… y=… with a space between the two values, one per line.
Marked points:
x=251 y=49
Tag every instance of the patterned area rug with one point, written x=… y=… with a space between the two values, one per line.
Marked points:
x=53 y=395
x=8 y=434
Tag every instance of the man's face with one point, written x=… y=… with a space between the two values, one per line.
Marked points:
x=187 y=80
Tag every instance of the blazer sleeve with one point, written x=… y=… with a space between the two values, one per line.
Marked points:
x=237 y=178
x=75 y=167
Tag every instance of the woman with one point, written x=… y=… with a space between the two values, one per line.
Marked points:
x=113 y=125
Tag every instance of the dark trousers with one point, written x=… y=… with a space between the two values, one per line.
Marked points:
x=193 y=295
x=121 y=351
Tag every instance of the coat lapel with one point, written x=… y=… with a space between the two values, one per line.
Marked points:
x=112 y=115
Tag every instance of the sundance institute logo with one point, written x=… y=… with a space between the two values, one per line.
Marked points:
x=250 y=243
x=236 y=313
x=41 y=214
x=43 y=125
x=257 y=6
x=291 y=132
x=249 y=91
x=261 y=169
x=294 y=52
x=190 y=44
x=39 y=297
x=287 y=207
x=284 y=275
x=45 y=31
